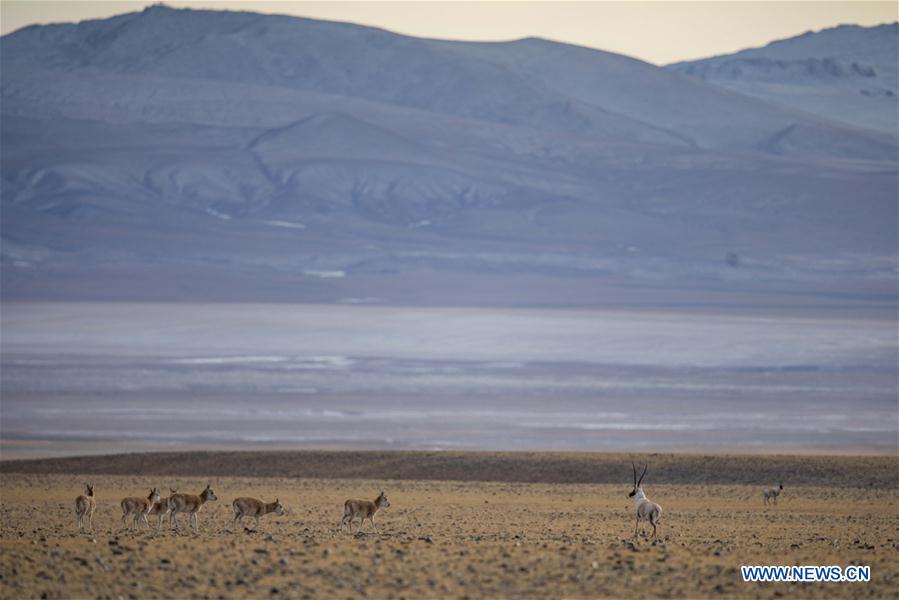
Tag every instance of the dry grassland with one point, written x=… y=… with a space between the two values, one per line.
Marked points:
x=443 y=539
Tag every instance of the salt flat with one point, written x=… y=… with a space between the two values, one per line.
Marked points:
x=83 y=375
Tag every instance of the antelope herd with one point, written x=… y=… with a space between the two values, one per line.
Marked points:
x=139 y=508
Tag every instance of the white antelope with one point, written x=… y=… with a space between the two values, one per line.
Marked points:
x=190 y=504
x=252 y=507
x=362 y=509
x=646 y=510
x=84 y=507
x=161 y=509
x=772 y=493
x=139 y=507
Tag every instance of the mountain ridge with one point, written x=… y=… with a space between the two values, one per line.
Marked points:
x=780 y=41
x=434 y=79
x=846 y=73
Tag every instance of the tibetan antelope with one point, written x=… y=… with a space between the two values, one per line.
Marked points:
x=84 y=507
x=161 y=509
x=646 y=510
x=252 y=507
x=772 y=493
x=139 y=507
x=362 y=509
x=190 y=504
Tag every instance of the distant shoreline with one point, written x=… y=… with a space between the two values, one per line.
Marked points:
x=40 y=450
x=880 y=472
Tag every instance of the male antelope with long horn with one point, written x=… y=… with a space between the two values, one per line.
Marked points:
x=646 y=509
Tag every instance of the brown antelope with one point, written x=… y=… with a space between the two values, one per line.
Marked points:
x=772 y=493
x=84 y=507
x=190 y=504
x=161 y=509
x=139 y=507
x=252 y=507
x=646 y=510
x=362 y=509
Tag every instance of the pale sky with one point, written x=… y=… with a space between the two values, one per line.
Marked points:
x=660 y=32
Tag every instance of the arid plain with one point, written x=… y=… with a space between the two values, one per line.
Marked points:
x=443 y=537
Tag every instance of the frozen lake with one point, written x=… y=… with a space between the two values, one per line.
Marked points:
x=81 y=377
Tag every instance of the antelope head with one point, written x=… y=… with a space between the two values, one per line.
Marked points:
x=637 y=482
x=208 y=494
x=279 y=508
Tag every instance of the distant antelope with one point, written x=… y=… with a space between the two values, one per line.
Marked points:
x=252 y=507
x=161 y=508
x=84 y=507
x=772 y=493
x=139 y=507
x=362 y=509
x=646 y=510
x=190 y=504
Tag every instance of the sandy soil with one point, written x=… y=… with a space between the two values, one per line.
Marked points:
x=444 y=539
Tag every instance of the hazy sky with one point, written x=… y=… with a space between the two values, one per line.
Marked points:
x=660 y=32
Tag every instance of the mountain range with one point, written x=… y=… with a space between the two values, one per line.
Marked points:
x=186 y=154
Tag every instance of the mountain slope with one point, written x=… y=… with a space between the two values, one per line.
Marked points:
x=847 y=73
x=178 y=153
x=704 y=116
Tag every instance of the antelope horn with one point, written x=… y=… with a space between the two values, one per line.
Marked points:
x=635 y=473
x=644 y=473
